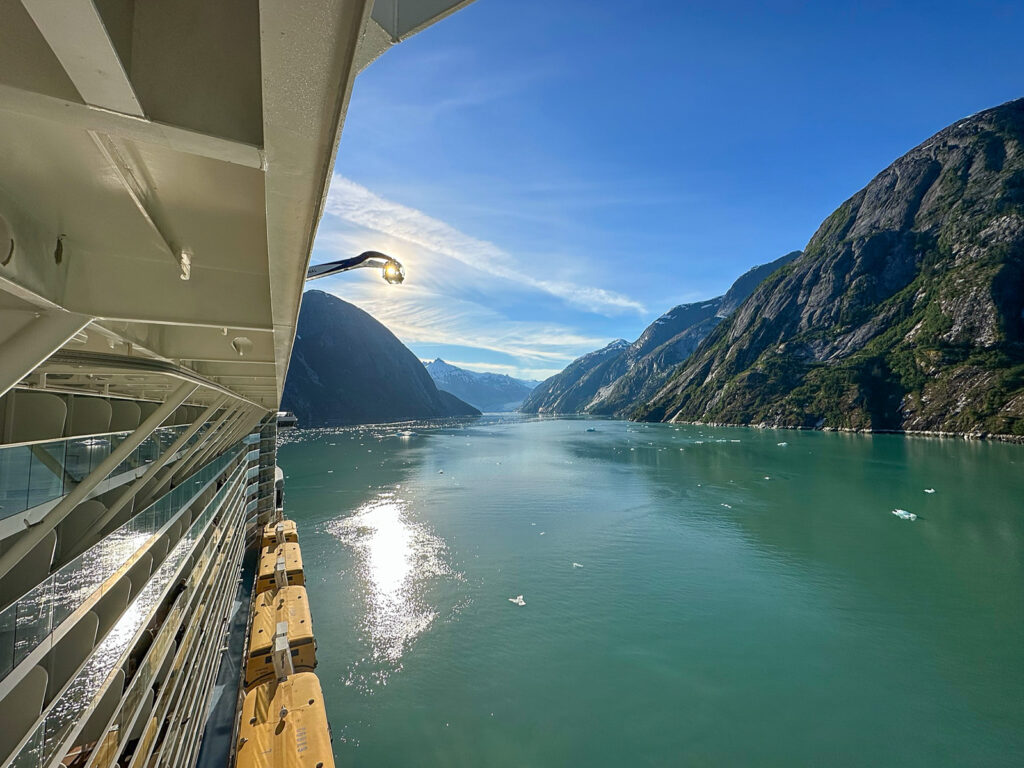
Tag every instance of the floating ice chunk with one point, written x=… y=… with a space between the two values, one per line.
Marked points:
x=734 y=441
x=518 y=600
x=698 y=442
x=727 y=506
x=782 y=444
x=767 y=478
x=591 y=429
x=330 y=471
x=929 y=490
x=577 y=565
x=543 y=532
x=532 y=523
x=902 y=514
x=440 y=471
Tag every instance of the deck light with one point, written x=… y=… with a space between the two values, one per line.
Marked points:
x=391 y=269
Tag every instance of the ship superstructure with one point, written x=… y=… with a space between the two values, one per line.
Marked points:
x=163 y=168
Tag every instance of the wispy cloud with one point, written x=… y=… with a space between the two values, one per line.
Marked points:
x=421 y=316
x=357 y=205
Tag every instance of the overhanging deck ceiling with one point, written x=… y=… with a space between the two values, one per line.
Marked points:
x=141 y=142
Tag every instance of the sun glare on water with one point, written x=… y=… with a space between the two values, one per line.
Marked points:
x=396 y=558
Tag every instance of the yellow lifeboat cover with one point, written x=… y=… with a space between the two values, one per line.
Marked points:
x=291 y=533
x=284 y=725
x=290 y=604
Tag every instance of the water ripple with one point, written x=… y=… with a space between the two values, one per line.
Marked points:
x=397 y=558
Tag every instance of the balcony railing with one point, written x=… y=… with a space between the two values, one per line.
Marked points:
x=28 y=621
x=34 y=474
x=67 y=710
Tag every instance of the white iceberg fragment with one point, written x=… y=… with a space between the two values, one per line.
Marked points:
x=929 y=490
x=577 y=565
x=782 y=444
x=518 y=600
x=902 y=514
x=727 y=506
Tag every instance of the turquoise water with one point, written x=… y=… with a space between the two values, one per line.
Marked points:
x=693 y=596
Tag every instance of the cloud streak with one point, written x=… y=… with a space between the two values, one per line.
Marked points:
x=354 y=203
x=420 y=316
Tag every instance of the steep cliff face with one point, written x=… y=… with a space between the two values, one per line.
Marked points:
x=347 y=368
x=905 y=311
x=570 y=390
x=614 y=380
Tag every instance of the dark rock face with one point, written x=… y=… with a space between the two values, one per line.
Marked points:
x=347 y=368
x=486 y=391
x=905 y=311
x=614 y=380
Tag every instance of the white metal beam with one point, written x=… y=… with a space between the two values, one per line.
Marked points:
x=140 y=483
x=17 y=101
x=29 y=348
x=79 y=39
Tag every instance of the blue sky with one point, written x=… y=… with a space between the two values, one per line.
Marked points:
x=555 y=175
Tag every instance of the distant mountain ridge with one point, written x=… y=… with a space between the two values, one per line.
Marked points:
x=486 y=391
x=905 y=313
x=614 y=380
x=347 y=368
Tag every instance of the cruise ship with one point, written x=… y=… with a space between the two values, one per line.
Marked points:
x=163 y=168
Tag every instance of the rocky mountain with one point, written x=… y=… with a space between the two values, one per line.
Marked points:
x=486 y=391
x=905 y=312
x=347 y=368
x=614 y=380
x=572 y=389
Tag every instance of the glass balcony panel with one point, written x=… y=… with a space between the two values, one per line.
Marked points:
x=76 y=461
x=27 y=622
x=7 y=637
x=33 y=619
x=14 y=479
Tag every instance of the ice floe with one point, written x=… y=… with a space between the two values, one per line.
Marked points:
x=518 y=600
x=929 y=490
x=782 y=444
x=577 y=565
x=902 y=514
x=727 y=506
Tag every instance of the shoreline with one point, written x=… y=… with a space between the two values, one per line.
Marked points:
x=1001 y=438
